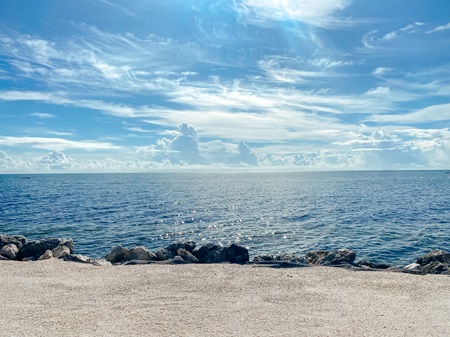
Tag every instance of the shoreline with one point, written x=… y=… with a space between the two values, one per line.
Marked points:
x=52 y=297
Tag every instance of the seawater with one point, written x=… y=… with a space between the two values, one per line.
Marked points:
x=386 y=216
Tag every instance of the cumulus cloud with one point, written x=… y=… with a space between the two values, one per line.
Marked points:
x=55 y=160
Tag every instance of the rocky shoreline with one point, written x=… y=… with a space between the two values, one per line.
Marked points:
x=19 y=248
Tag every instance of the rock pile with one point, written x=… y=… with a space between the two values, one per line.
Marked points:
x=19 y=248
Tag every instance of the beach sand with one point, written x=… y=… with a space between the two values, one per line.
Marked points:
x=56 y=298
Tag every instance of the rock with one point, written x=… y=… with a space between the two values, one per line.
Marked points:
x=187 y=245
x=325 y=257
x=17 y=240
x=263 y=259
x=186 y=256
x=435 y=262
x=101 y=263
x=46 y=256
x=139 y=253
x=29 y=259
x=210 y=253
x=138 y=262
x=236 y=254
x=372 y=265
x=117 y=255
x=165 y=254
x=412 y=266
x=10 y=251
x=60 y=251
x=76 y=258
x=175 y=260
x=3 y=258
x=38 y=247
x=291 y=258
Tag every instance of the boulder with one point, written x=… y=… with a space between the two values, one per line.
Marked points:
x=263 y=259
x=77 y=258
x=372 y=265
x=290 y=258
x=101 y=263
x=117 y=255
x=37 y=248
x=17 y=240
x=186 y=245
x=186 y=256
x=60 y=251
x=412 y=266
x=46 y=256
x=165 y=254
x=10 y=251
x=210 y=253
x=325 y=257
x=3 y=258
x=236 y=254
x=435 y=262
x=175 y=260
x=139 y=253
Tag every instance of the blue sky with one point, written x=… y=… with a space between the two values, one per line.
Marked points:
x=98 y=86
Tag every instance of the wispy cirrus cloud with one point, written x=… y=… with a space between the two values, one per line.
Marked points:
x=321 y=13
x=439 y=28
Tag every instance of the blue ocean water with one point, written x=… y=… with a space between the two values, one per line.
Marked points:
x=385 y=216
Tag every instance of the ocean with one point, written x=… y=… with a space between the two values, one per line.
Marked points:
x=385 y=216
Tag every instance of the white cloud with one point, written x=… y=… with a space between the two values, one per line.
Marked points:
x=56 y=144
x=379 y=71
x=322 y=13
x=55 y=160
x=42 y=115
x=433 y=113
x=439 y=28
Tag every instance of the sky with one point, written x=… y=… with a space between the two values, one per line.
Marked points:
x=139 y=86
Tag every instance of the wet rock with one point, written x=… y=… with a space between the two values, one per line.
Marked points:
x=325 y=257
x=117 y=255
x=60 y=251
x=77 y=258
x=139 y=253
x=186 y=256
x=37 y=248
x=17 y=240
x=10 y=251
x=435 y=262
x=236 y=254
x=210 y=253
x=165 y=254
x=46 y=256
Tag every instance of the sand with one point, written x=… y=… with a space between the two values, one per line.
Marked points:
x=56 y=298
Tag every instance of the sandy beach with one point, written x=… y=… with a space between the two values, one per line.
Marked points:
x=53 y=297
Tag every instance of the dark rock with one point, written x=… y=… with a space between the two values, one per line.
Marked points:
x=17 y=240
x=175 y=260
x=139 y=253
x=165 y=254
x=210 y=253
x=186 y=245
x=37 y=248
x=435 y=262
x=291 y=258
x=3 y=258
x=10 y=251
x=373 y=265
x=236 y=254
x=325 y=257
x=117 y=255
x=76 y=258
x=101 y=263
x=263 y=259
x=186 y=256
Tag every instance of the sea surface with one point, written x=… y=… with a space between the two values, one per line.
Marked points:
x=385 y=216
